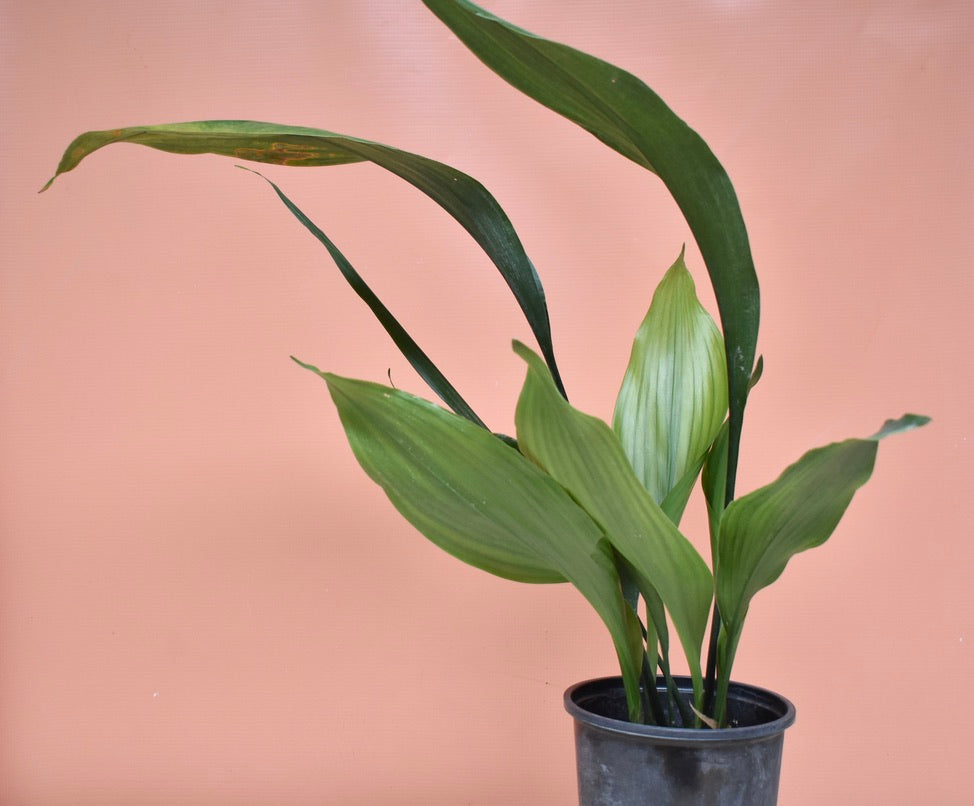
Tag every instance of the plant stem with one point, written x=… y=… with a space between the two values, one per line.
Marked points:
x=710 y=684
x=731 y=640
x=653 y=706
x=686 y=715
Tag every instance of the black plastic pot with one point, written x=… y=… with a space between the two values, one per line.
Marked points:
x=621 y=763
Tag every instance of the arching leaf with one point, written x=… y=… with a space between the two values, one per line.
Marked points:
x=460 y=195
x=625 y=114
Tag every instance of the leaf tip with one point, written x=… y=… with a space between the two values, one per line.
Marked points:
x=309 y=367
x=905 y=423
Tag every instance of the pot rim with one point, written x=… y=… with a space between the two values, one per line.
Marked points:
x=740 y=692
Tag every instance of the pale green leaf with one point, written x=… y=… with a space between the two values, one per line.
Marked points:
x=674 y=394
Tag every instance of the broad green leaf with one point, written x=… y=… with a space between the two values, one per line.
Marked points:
x=460 y=195
x=421 y=362
x=483 y=502
x=761 y=531
x=584 y=454
x=625 y=114
x=674 y=394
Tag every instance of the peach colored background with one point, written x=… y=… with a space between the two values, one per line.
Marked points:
x=203 y=601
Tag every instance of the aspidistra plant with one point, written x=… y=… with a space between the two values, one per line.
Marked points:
x=573 y=498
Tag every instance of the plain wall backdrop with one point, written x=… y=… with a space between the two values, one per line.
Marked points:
x=204 y=601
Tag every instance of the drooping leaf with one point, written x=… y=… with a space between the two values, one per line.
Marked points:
x=674 y=394
x=413 y=353
x=625 y=114
x=460 y=195
x=483 y=502
x=761 y=531
x=584 y=454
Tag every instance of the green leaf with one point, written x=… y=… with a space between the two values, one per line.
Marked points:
x=584 y=454
x=674 y=394
x=421 y=362
x=761 y=531
x=625 y=114
x=483 y=502
x=460 y=195
x=905 y=423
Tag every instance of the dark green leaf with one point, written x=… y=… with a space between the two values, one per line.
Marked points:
x=460 y=195
x=426 y=369
x=625 y=114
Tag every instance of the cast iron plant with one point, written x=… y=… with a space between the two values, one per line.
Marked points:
x=573 y=498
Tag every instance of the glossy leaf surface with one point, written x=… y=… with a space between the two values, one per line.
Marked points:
x=674 y=394
x=584 y=454
x=625 y=114
x=460 y=195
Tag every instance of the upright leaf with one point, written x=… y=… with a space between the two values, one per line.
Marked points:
x=713 y=482
x=460 y=195
x=761 y=531
x=674 y=394
x=483 y=502
x=583 y=454
x=625 y=114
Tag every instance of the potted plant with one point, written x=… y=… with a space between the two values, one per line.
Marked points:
x=571 y=497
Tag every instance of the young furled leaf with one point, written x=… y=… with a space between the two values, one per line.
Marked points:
x=674 y=394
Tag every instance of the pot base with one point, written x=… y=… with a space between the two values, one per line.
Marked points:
x=621 y=763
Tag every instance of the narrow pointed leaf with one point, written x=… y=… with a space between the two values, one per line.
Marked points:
x=460 y=195
x=421 y=362
x=483 y=502
x=761 y=531
x=625 y=114
x=584 y=454
x=674 y=394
